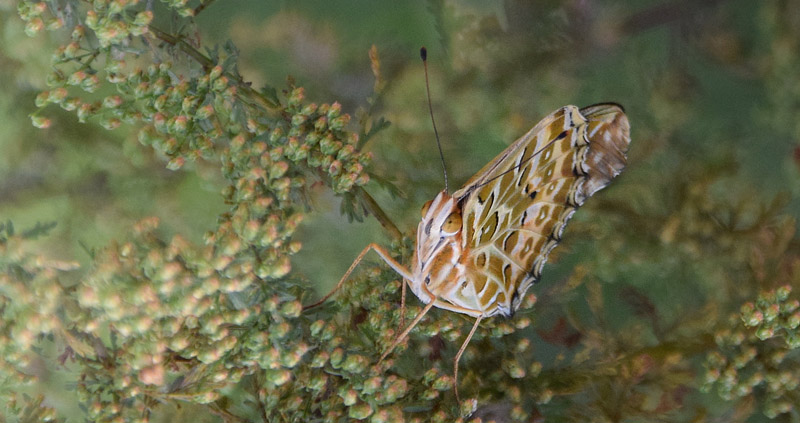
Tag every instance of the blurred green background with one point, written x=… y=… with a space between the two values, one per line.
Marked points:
x=711 y=89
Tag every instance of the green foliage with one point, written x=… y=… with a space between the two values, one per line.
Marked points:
x=629 y=324
x=40 y=229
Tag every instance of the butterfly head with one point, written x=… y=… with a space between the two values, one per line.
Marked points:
x=441 y=217
x=439 y=243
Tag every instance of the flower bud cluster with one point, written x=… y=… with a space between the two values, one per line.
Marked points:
x=753 y=356
x=30 y=409
x=316 y=137
x=266 y=156
x=176 y=309
x=37 y=18
x=185 y=117
x=361 y=389
x=30 y=302
x=774 y=314
x=114 y=22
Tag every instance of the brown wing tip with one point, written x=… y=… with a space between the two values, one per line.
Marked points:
x=605 y=104
x=609 y=138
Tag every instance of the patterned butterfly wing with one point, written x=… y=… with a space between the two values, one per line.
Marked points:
x=515 y=209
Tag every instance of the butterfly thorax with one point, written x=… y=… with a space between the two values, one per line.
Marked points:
x=439 y=247
x=441 y=258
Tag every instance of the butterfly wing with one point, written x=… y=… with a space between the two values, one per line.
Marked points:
x=516 y=207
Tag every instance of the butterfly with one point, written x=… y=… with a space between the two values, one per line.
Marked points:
x=479 y=249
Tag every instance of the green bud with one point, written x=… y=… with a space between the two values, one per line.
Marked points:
x=513 y=369
x=372 y=385
x=443 y=383
x=320 y=360
x=753 y=319
x=355 y=363
x=85 y=111
x=296 y=97
x=143 y=18
x=299 y=119
x=71 y=104
x=394 y=388
x=112 y=102
x=278 y=169
x=430 y=394
x=321 y=124
x=292 y=309
x=179 y=124
x=765 y=332
x=771 y=312
x=334 y=111
x=318 y=382
x=793 y=341
x=336 y=357
x=278 y=377
x=40 y=122
x=111 y=123
x=204 y=112
x=349 y=396
x=34 y=26
x=360 y=411
x=316 y=328
x=793 y=321
x=339 y=123
x=782 y=293
x=220 y=84
x=176 y=163
x=42 y=99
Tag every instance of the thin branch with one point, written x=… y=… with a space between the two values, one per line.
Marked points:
x=208 y=64
x=376 y=210
x=202 y=6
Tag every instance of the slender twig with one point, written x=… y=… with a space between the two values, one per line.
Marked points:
x=376 y=210
x=222 y=413
x=202 y=6
x=261 y=408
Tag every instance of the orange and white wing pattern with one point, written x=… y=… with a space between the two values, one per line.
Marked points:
x=516 y=207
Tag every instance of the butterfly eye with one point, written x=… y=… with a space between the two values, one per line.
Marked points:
x=426 y=207
x=453 y=223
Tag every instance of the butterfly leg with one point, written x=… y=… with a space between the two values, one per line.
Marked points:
x=461 y=351
x=403 y=314
x=403 y=335
x=382 y=253
x=403 y=305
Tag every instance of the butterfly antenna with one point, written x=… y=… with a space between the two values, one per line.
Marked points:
x=522 y=163
x=423 y=53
